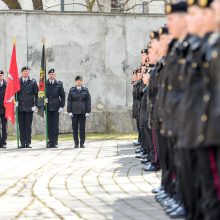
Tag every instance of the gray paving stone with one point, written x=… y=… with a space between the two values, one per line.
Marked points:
x=102 y=181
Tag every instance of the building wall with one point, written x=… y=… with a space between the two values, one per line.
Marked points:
x=103 y=48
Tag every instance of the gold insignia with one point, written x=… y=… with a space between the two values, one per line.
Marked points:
x=168 y=9
x=206 y=98
x=204 y=118
x=201 y=138
x=215 y=54
x=170 y=87
x=152 y=35
x=203 y=3
x=206 y=65
x=194 y=65
x=190 y=2
x=182 y=61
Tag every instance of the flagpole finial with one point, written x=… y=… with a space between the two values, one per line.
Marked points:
x=14 y=40
x=43 y=40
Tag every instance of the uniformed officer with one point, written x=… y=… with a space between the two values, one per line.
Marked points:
x=27 y=105
x=3 y=134
x=79 y=108
x=137 y=87
x=198 y=138
x=55 y=105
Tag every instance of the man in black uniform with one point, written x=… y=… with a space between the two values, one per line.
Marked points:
x=55 y=105
x=79 y=108
x=137 y=103
x=3 y=134
x=27 y=105
x=198 y=138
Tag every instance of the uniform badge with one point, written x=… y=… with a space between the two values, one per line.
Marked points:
x=190 y=2
x=203 y=3
x=168 y=9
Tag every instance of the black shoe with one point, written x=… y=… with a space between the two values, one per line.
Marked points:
x=178 y=213
x=151 y=168
x=157 y=190
x=173 y=208
x=3 y=146
x=140 y=155
x=22 y=146
x=82 y=146
x=48 y=146
x=136 y=143
x=145 y=161
x=168 y=203
x=28 y=146
x=76 y=146
x=162 y=196
x=53 y=146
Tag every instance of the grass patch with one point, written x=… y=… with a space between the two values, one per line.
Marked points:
x=89 y=136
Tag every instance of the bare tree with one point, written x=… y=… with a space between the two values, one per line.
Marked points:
x=89 y=5
x=38 y=4
x=12 y=4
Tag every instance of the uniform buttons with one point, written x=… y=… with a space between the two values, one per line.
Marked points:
x=206 y=98
x=180 y=78
x=205 y=64
x=204 y=118
x=214 y=54
x=162 y=131
x=201 y=137
x=170 y=87
x=182 y=61
x=194 y=65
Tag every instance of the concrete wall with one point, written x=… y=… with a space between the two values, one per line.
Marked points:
x=103 y=48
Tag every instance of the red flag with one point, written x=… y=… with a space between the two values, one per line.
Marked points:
x=13 y=86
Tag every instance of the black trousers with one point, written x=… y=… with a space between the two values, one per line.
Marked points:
x=162 y=146
x=139 y=130
x=186 y=173
x=53 y=127
x=25 y=122
x=3 y=132
x=170 y=185
x=208 y=181
x=79 y=125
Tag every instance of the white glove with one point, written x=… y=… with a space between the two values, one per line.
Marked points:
x=60 y=110
x=16 y=104
x=70 y=114
x=46 y=101
x=34 y=109
x=87 y=114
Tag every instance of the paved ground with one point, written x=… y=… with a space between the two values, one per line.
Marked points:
x=102 y=181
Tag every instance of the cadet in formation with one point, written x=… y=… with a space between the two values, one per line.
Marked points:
x=180 y=105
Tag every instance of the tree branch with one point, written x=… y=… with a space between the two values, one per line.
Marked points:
x=12 y=4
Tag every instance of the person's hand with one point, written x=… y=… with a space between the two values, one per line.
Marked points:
x=46 y=100
x=60 y=110
x=87 y=114
x=16 y=104
x=70 y=114
x=34 y=109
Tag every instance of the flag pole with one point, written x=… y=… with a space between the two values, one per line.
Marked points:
x=16 y=108
x=45 y=91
